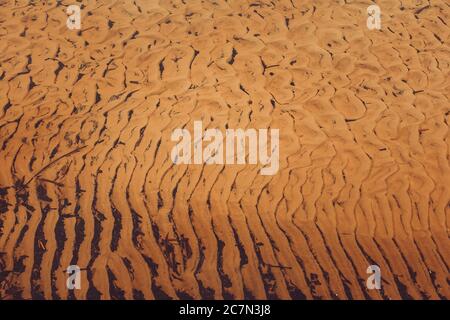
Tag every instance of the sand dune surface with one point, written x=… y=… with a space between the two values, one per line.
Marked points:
x=86 y=176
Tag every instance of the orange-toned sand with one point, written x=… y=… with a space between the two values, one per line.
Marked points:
x=86 y=177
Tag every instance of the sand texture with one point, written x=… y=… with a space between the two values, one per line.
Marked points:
x=86 y=176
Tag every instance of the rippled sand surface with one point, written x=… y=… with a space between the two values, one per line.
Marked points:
x=86 y=177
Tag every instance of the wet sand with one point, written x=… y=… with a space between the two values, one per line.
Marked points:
x=86 y=177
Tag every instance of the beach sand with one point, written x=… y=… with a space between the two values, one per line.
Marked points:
x=86 y=177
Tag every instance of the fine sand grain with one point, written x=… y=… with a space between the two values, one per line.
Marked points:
x=86 y=177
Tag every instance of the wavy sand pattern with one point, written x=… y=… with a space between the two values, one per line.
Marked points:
x=86 y=176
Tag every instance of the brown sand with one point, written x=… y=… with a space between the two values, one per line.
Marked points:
x=86 y=176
